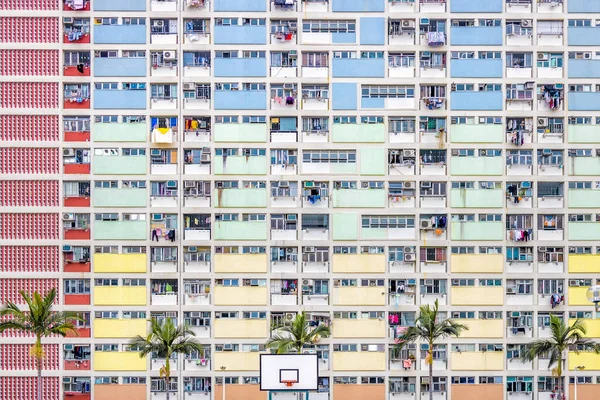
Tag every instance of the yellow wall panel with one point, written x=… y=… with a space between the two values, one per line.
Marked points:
x=482 y=328
x=358 y=361
x=477 y=296
x=359 y=263
x=577 y=296
x=241 y=328
x=477 y=361
x=118 y=361
x=592 y=327
x=590 y=361
x=240 y=296
x=584 y=263
x=120 y=296
x=119 y=328
x=236 y=361
x=241 y=263
x=359 y=328
x=359 y=296
x=477 y=263
x=120 y=263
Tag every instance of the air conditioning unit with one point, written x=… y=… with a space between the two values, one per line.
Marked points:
x=67 y=249
x=408 y=23
x=482 y=152
x=155 y=152
x=157 y=217
x=68 y=217
x=337 y=283
x=542 y=121
x=511 y=290
x=424 y=21
x=158 y=24
x=205 y=158
x=68 y=152
x=573 y=282
x=309 y=249
x=171 y=184
x=542 y=249
x=307 y=282
x=597 y=152
x=289 y=316
x=587 y=56
x=227 y=347
x=169 y=55
x=410 y=257
x=189 y=86
x=454 y=152
x=67 y=20
x=546 y=152
x=189 y=184
x=408 y=153
x=526 y=23
x=425 y=185
x=542 y=56
x=408 y=185
x=192 y=249
x=288 y=85
x=310 y=351
x=284 y=184
x=425 y=224
x=291 y=217
x=364 y=185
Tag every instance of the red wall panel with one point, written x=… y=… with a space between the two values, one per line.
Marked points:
x=24 y=387
x=29 y=5
x=28 y=29
x=19 y=226
x=17 y=357
x=10 y=288
x=43 y=128
x=28 y=94
x=29 y=259
x=29 y=62
x=29 y=193
x=29 y=160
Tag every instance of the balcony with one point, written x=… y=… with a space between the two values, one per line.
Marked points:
x=477 y=230
x=240 y=165
x=240 y=100
x=477 y=296
x=241 y=296
x=240 y=230
x=120 y=230
x=476 y=6
x=481 y=166
x=345 y=328
x=119 y=328
x=241 y=263
x=477 y=133
x=476 y=101
x=240 y=34
x=584 y=101
x=115 y=165
x=119 y=361
x=359 y=198
x=477 y=361
x=476 y=68
x=240 y=133
x=240 y=67
x=120 y=263
x=477 y=263
x=359 y=296
x=231 y=328
x=477 y=198
x=120 y=34
x=476 y=36
x=584 y=198
x=125 y=67
x=358 y=67
x=120 y=99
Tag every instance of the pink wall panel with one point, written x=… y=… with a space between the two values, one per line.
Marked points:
x=23 y=226
x=16 y=357
x=42 y=128
x=29 y=62
x=28 y=160
x=10 y=288
x=28 y=94
x=29 y=259
x=29 y=5
x=28 y=29
x=24 y=387
x=20 y=193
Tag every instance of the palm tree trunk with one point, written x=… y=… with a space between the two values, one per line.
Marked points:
x=430 y=372
x=38 y=357
x=167 y=375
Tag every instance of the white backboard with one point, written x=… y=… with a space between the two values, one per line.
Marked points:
x=275 y=368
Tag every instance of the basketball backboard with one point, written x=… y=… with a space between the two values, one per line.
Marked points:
x=278 y=369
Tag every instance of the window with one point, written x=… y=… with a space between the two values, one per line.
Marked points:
x=433 y=254
x=388 y=221
x=77 y=286
x=438 y=382
x=328 y=26
x=388 y=92
x=329 y=156
x=433 y=286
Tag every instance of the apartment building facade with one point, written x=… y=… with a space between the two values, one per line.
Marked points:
x=228 y=163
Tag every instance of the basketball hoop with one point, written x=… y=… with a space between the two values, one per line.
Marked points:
x=289 y=383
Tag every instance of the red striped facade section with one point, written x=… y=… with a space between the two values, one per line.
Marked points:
x=29 y=160
x=28 y=29
x=28 y=94
x=17 y=357
x=24 y=388
x=29 y=193
x=10 y=288
x=29 y=5
x=24 y=226
x=29 y=259
x=29 y=128
x=29 y=62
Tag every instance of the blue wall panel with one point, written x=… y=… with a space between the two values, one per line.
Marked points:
x=584 y=6
x=476 y=35
x=119 y=100
x=119 y=67
x=372 y=30
x=584 y=68
x=240 y=100
x=340 y=38
x=358 y=6
x=476 y=68
x=344 y=96
x=240 y=67
x=589 y=101
x=476 y=6
x=368 y=102
x=484 y=101
x=584 y=36
x=358 y=67
x=119 y=5
x=241 y=5
x=120 y=34
x=242 y=34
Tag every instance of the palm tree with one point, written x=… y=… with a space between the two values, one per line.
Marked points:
x=165 y=340
x=40 y=321
x=293 y=336
x=562 y=339
x=427 y=329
